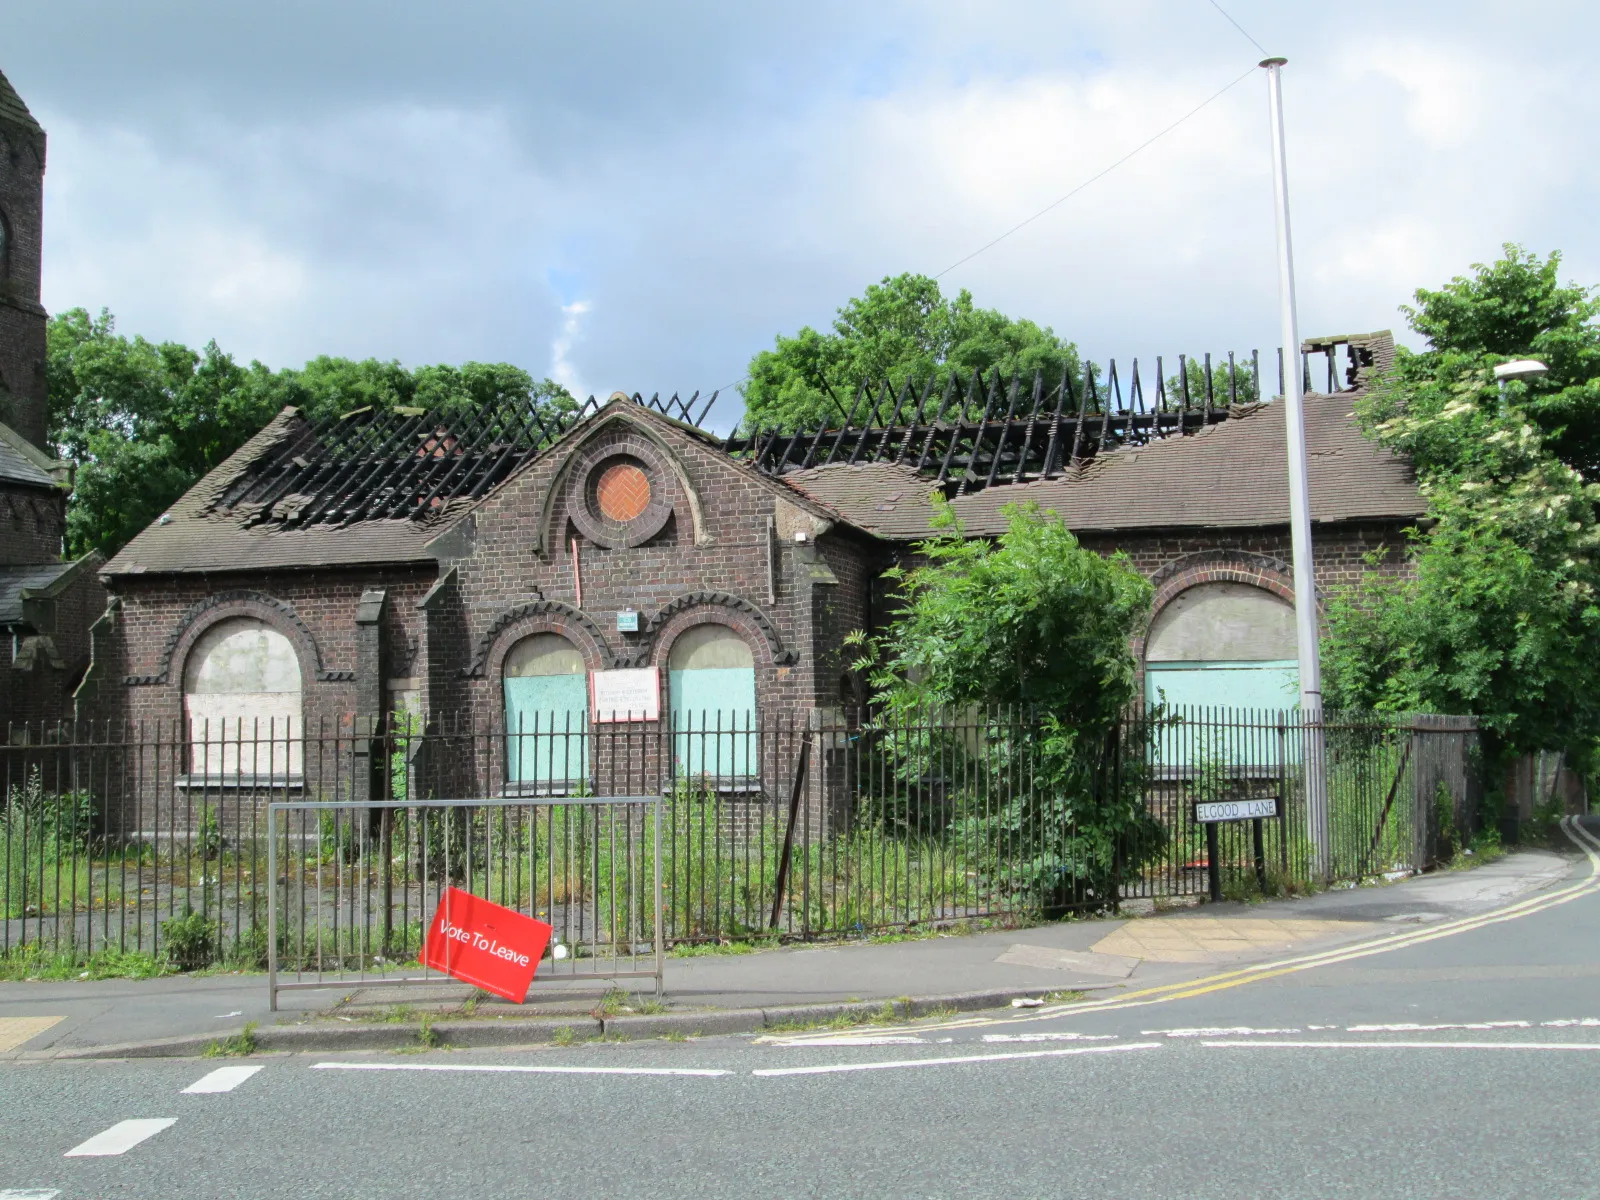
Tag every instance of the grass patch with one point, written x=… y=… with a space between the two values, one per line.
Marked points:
x=564 y=1035
x=32 y=963
x=1485 y=848
x=427 y=1037
x=1065 y=997
x=239 y=1045
x=705 y=949
x=395 y=1014
x=672 y=1035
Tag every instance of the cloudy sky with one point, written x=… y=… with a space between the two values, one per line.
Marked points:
x=641 y=195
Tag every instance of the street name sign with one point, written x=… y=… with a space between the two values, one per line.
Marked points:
x=485 y=944
x=1236 y=810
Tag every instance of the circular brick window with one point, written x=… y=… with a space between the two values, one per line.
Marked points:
x=622 y=493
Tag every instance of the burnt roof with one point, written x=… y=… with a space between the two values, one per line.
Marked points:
x=1229 y=475
x=373 y=486
x=1130 y=465
x=380 y=487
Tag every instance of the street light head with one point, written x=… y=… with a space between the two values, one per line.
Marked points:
x=1521 y=368
x=1273 y=62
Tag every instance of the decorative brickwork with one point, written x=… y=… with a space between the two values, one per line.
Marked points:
x=622 y=492
x=628 y=453
x=739 y=614
x=219 y=607
x=525 y=620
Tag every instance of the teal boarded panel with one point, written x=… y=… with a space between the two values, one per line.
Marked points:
x=1213 y=738
x=1273 y=685
x=546 y=722
x=713 y=711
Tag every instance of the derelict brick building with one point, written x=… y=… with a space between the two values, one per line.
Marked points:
x=626 y=563
x=46 y=603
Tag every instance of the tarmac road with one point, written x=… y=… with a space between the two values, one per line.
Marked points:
x=1459 y=1059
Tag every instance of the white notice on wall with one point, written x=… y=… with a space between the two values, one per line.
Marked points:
x=628 y=694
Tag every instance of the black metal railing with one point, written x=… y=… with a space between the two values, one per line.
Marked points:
x=152 y=839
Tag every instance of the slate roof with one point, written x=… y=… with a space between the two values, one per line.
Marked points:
x=195 y=534
x=23 y=463
x=16 y=580
x=1229 y=475
x=279 y=502
x=13 y=109
x=285 y=499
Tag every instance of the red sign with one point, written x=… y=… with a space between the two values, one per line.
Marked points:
x=485 y=944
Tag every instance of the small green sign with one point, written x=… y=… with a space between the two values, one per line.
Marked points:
x=627 y=621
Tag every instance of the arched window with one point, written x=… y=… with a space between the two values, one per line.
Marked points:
x=547 y=713
x=712 y=680
x=241 y=695
x=1225 y=645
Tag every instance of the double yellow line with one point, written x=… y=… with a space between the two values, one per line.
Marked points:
x=1575 y=832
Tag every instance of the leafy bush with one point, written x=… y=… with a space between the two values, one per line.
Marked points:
x=189 y=939
x=1035 y=631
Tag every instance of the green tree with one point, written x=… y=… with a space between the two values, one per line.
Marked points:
x=1241 y=389
x=145 y=421
x=903 y=329
x=1499 y=616
x=1035 y=626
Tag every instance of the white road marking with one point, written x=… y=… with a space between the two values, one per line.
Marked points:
x=1049 y=1037
x=515 y=1070
x=1408 y=1027
x=1407 y=1045
x=28 y=1193
x=945 y=1062
x=1586 y=1021
x=238 y=1012
x=223 y=1079
x=1236 y=1031
x=886 y=1040
x=120 y=1138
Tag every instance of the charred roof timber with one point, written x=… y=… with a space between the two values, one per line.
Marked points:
x=402 y=463
x=410 y=464
x=985 y=431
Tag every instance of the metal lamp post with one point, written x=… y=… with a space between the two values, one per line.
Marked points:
x=1305 y=584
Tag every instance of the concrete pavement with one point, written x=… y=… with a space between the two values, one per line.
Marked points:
x=727 y=993
x=1452 y=1058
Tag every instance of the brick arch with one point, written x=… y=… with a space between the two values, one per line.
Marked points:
x=279 y=614
x=599 y=443
x=1216 y=566
x=541 y=616
x=720 y=608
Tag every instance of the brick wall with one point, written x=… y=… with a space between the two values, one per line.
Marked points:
x=22 y=319
x=161 y=618
x=32 y=522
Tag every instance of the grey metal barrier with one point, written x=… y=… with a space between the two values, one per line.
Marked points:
x=355 y=885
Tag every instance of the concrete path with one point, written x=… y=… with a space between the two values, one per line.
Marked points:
x=1099 y=956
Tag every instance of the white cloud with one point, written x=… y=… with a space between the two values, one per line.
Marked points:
x=561 y=368
x=423 y=222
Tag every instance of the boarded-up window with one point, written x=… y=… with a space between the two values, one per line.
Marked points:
x=712 y=680
x=547 y=712
x=1224 y=645
x=241 y=695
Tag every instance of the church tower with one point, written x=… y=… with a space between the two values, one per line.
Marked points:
x=23 y=401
